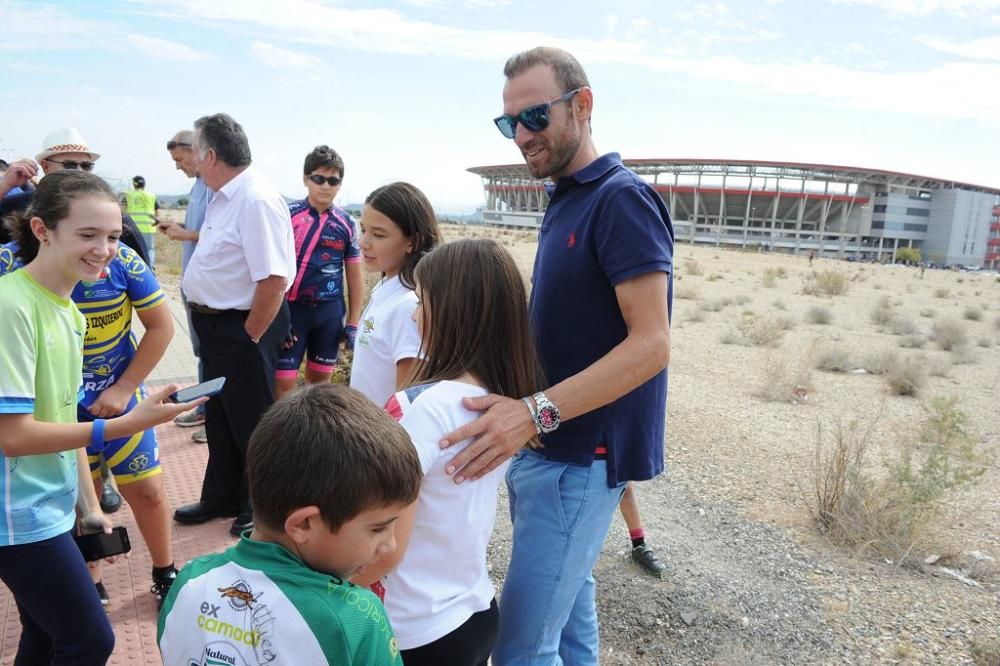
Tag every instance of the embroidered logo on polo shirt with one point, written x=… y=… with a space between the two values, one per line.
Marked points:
x=571 y=241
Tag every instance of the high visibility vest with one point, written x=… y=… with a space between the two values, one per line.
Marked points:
x=141 y=206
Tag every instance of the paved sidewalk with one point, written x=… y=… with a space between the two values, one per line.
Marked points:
x=133 y=608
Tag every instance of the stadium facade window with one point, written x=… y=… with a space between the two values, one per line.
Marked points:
x=918 y=212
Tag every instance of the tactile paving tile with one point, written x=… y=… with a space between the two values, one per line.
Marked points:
x=132 y=610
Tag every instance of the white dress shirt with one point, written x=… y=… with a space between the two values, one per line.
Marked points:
x=246 y=237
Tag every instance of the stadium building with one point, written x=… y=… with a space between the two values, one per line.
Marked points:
x=790 y=207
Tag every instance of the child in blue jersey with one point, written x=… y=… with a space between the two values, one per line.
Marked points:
x=70 y=233
x=473 y=316
x=326 y=249
x=329 y=475
x=114 y=367
x=398 y=227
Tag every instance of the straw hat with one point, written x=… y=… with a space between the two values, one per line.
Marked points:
x=65 y=141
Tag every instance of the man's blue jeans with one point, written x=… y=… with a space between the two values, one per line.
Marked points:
x=561 y=514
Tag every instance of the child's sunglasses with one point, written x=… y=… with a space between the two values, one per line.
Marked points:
x=534 y=118
x=72 y=164
x=332 y=181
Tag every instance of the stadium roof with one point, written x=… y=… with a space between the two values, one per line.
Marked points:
x=770 y=169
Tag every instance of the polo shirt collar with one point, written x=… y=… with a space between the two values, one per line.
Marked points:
x=597 y=169
x=232 y=188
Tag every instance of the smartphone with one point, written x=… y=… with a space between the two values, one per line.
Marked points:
x=205 y=389
x=99 y=545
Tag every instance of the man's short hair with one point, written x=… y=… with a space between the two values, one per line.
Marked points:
x=329 y=446
x=323 y=157
x=219 y=132
x=568 y=70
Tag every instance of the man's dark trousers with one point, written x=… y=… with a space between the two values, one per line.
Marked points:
x=230 y=418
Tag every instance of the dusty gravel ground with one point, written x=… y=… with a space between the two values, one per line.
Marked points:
x=750 y=580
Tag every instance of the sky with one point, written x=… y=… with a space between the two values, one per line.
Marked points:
x=407 y=90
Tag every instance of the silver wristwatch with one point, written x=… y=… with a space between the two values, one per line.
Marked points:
x=546 y=413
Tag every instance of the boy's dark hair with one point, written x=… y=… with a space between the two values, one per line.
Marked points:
x=475 y=307
x=410 y=210
x=323 y=157
x=328 y=446
x=51 y=203
x=219 y=132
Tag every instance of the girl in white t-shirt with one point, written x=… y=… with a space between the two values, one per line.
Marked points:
x=398 y=227
x=473 y=316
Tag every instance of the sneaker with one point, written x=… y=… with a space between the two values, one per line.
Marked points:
x=190 y=420
x=161 y=585
x=644 y=556
x=111 y=501
x=102 y=593
x=200 y=436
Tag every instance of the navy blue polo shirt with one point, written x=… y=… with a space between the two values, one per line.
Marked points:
x=603 y=226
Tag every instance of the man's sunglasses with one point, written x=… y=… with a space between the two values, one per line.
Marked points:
x=534 y=118
x=177 y=144
x=332 y=181
x=72 y=164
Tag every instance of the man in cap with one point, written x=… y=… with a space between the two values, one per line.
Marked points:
x=181 y=149
x=142 y=206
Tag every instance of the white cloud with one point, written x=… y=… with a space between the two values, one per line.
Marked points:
x=291 y=61
x=977 y=49
x=163 y=49
x=31 y=27
x=925 y=7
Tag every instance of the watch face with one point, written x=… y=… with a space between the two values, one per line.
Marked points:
x=548 y=417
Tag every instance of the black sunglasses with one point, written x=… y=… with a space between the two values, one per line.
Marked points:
x=332 y=181
x=534 y=118
x=177 y=144
x=72 y=164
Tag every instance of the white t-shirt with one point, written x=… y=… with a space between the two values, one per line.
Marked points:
x=245 y=238
x=386 y=335
x=442 y=579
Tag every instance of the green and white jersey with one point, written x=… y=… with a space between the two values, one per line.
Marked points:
x=257 y=603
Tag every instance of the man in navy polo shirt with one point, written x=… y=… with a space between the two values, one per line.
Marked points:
x=600 y=308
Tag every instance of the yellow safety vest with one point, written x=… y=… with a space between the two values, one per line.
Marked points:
x=141 y=206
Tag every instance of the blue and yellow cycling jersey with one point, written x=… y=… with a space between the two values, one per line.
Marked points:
x=107 y=306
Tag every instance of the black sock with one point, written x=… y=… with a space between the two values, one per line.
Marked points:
x=641 y=541
x=163 y=572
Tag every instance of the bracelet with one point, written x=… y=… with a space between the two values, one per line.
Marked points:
x=534 y=415
x=97 y=442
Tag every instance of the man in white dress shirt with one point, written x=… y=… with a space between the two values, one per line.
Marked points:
x=235 y=285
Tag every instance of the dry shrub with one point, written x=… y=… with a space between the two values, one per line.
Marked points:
x=783 y=380
x=941 y=292
x=962 y=355
x=996 y=322
x=892 y=513
x=771 y=276
x=949 y=334
x=912 y=342
x=780 y=305
x=906 y=378
x=938 y=366
x=741 y=299
x=877 y=286
x=818 y=314
x=928 y=312
x=758 y=330
x=687 y=292
x=826 y=283
x=986 y=651
x=834 y=359
x=714 y=277
x=731 y=337
x=901 y=325
x=692 y=267
x=713 y=305
x=985 y=342
x=882 y=313
x=786 y=322
x=696 y=315
x=973 y=313
x=880 y=362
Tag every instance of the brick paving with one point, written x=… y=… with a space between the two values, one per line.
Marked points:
x=133 y=609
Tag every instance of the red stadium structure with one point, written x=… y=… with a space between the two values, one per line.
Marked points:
x=836 y=211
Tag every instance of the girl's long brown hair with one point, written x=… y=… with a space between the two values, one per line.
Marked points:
x=475 y=311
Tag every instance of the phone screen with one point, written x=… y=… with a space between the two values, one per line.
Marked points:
x=209 y=388
x=99 y=545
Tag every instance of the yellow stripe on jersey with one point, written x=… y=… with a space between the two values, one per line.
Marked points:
x=149 y=302
x=87 y=306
